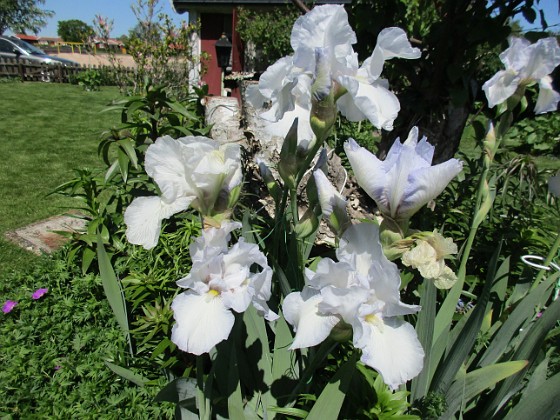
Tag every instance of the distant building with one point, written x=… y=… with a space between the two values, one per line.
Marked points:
x=50 y=41
x=110 y=44
x=34 y=40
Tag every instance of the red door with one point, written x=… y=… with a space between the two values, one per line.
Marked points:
x=212 y=25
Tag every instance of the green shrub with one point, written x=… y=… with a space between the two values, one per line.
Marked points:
x=53 y=351
x=539 y=135
x=268 y=31
x=90 y=80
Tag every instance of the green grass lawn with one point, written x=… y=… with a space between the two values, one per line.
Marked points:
x=46 y=131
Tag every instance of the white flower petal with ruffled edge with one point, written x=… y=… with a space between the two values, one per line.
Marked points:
x=361 y=248
x=446 y=279
x=501 y=86
x=201 y=322
x=144 y=215
x=515 y=56
x=548 y=98
x=344 y=302
x=212 y=241
x=369 y=173
x=331 y=273
x=378 y=104
x=395 y=44
x=324 y=26
x=423 y=253
x=276 y=84
x=280 y=128
x=392 y=348
x=543 y=57
x=425 y=184
x=164 y=164
x=228 y=272
x=204 y=275
x=237 y=276
x=300 y=311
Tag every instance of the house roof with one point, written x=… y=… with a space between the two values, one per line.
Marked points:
x=182 y=6
x=27 y=37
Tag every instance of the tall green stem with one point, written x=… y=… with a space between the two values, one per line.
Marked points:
x=202 y=401
x=280 y=211
x=474 y=227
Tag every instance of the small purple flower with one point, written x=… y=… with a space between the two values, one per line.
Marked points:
x=38 y=294
x=8 y=306
x=57 y=367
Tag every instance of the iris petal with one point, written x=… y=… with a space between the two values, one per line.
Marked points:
x=312 y=328
x=393 y=350
x=202 y=321
x=144 y=215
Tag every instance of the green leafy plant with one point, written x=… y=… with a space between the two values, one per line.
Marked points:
x=536 y=136
x=90 y=80
x=105 y=195
x=267 y=32
x=54 y=350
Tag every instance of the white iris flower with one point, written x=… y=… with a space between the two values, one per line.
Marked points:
x=526 y=63
x=195 y=172
x=323 y=63
x=362 y=291
x=406 y=180
x=220 y=281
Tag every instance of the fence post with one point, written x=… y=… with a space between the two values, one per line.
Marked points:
x=21 y=68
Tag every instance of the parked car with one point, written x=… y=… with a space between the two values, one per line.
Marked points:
x=12 y=47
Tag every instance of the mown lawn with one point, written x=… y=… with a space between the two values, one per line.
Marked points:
x=46 y=131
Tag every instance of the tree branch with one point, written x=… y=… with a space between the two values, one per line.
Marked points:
x=301 y=6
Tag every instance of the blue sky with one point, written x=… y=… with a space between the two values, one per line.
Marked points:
x=550 y=8
x=85 y=10
x=121 y=13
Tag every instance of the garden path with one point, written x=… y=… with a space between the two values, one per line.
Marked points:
x=41 y=237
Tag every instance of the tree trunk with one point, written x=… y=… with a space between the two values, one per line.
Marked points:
x=443 y=131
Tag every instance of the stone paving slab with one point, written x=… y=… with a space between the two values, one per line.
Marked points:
x=41 y=237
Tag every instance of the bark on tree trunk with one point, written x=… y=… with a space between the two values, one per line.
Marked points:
x=444 y=132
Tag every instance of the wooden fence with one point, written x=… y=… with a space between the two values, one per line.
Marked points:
x=33 y=71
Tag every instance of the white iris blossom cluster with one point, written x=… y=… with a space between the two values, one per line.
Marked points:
x=526 y=63
x=191 y=171
x=359 y=294
x=220 y=281
x=324 y=63
x=361 y=290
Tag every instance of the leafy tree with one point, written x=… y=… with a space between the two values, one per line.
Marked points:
x=268 y=32
x=74 y=30
x=459 y=39
x=23 y=15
